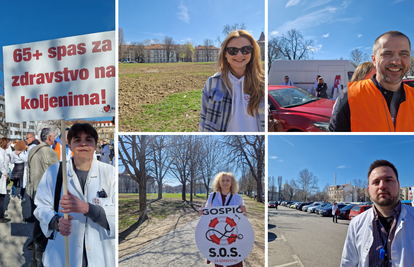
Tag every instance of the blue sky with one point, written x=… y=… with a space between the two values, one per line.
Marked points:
x=349 y=156
x=188 y=20
x=339 y=26
x=25 y=21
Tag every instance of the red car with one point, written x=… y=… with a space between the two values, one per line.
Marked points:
x=358 y=209
x=299 y=111
x=409 y=82
x=272 y=204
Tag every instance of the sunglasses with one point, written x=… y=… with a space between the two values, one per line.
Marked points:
x=245 y=50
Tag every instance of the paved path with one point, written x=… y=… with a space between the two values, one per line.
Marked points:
x=16 y=234
x=177 y=248
x=297 y=238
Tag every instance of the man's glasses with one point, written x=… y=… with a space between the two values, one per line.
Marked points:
x=245 y=50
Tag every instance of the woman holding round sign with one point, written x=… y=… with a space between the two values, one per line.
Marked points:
x=233 y=98
x=223 y=227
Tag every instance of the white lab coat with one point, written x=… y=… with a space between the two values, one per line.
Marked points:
x=99 y=242
x=235 y=200
x=360 y=238
x=105 y=151
x=4 y=169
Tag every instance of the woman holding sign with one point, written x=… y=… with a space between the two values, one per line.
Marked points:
x=225 y=189
x=233 y=98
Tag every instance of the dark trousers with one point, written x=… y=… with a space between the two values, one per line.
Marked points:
x=2 y=196
x=335 y=218
x=39 y=243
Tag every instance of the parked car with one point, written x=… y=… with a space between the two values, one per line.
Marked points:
x=312 y=209
x=327 y=211
x=324 y=205
x=272 y=204
x=299 y=111
x=345 y=211
x=306 y=207
x=358 y=209
x=409 y=81
x=303 y=204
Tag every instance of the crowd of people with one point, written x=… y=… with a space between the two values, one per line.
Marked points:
x=34 y=165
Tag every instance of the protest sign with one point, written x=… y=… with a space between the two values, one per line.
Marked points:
x=412 y=195
x=65 y=78
x=224 y=235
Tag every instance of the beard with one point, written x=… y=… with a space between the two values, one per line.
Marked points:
x=389 y=79
x=385 y=201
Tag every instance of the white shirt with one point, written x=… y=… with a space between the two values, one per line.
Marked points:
x=240 y=120
x=99 y=242
x=360 y=237
x=235 y=200
x=290 y=83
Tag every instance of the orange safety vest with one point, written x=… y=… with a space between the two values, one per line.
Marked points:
x=58 y=151
x=370 y=113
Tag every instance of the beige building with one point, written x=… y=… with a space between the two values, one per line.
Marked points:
x=157 y=53
x=343 y=193
x=206 y=53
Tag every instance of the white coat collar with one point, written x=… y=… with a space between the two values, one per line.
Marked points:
x=74 y=180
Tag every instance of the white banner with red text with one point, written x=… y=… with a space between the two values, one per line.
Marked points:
x=64 y=78
x=224 y=235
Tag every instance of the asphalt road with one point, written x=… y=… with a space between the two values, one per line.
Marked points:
x=16 y=234
x=303 y=239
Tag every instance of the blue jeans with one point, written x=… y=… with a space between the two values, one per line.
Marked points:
x=14 y=187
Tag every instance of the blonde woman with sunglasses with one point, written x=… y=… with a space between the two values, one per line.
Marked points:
x=233 y=98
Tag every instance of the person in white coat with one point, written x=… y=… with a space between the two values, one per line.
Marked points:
x=4 y=174
x=90 y=203
x=105 y=151
x=383 y=235
x=225 y=189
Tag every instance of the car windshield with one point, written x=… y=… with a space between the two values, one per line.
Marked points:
x=348 y=207
x=410 y=83
x=292 y=97
x=271 y=202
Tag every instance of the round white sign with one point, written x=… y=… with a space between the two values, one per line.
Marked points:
x=224 y=235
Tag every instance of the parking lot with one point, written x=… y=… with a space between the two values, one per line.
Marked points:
x=298 y=238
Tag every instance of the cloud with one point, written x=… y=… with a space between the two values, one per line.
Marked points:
x=258 y=13
x=343 y=167
x=292 y=3
x=359 y=35
x=346 y=3
x=326 y=35
x=273 y=157
x=274 y=33
x=309 y=20
x=281 y=160
x=317 y=3
x=153 y=33
x=286 y=141
x=315 y=48
x=183 y=14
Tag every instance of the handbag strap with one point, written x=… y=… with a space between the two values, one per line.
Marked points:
x=58 y=187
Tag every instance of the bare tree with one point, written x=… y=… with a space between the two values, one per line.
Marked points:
x=134 y=156
x=208 y=45
x=227 y=29
x=138 y=51
x=212 y=160
x=180 y=166
x=162 y=161
x=325 y=192
x=121 y=43
x=248 y=150
x=307 y=182
x=357 y=57
x=279 y=182
x=273 y=51
x=293 y=46
x=179 y=52
x=271 y=184
x=169 y=47
x=361 y=188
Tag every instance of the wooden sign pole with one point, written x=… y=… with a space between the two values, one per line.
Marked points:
x=64 y=183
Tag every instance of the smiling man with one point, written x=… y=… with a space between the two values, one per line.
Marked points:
x=382 y=103
x=90 y=203
x=383 y=235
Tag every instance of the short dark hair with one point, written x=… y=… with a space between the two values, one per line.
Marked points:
x=286 y=77
x=79 y=128
x=392 y=34
x=44 y=134
x=382 y=163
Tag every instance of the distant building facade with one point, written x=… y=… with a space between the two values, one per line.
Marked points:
x=206 y=53
x=343 y=193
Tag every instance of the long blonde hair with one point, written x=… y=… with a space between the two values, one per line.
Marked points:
x=253 y=76
x=234 y=188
